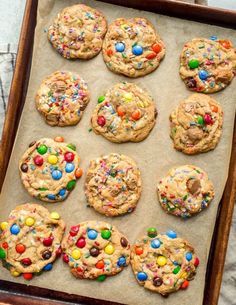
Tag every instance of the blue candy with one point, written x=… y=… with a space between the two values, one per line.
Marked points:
x=137 y=50
x=48 y=267
x=120 y=47
x=51 y=197
x=155 y=243
x=62 y=192
x=203 y=74
x=188 y=256
x=92 y=234
x=121 y=262
x=213 y=37
x=69 y=167
x=171 y=234
x=142 y=276
x=56 y=174
x=15 y=229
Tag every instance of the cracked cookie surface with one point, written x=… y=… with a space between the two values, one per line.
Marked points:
x=113 y=184
x=132 y=47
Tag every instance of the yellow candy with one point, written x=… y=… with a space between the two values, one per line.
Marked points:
x=55 y=215
x=76 y=254
x=52 y=159
x=15 y=273
x=109 y=249
x=161 y=261
x=4 y=225
x=184 y=275
x=128 y=96
x=29 y=221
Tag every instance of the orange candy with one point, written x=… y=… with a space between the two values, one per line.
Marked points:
x=78 y=172
x=225 y=43
x=20 y=248
x=156 y=48
x=28 y=276
x=100 y=265
x=214 y=108
x=185 y=284
x=109 y=52
x=136 y=115
x=120 y=111
x=151 y=55
x=139 y=250
x=59 y=139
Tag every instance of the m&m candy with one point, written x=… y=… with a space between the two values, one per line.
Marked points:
x=137 y=50
x=171 y=234
x=203 y=74
x=155 y=243
x=15 y=229
x=106 y=234
x=69 y=167
x=92 y=234
x=56 y=174
x=120 y=47
x=121 y=262
x=109 y=249
x=142 y=276
x=29 y=221
x=42 y=149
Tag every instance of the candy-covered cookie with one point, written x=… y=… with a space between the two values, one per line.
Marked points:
x=196 y=124
x=62 y=98
x=125 y=113
x=95 y=250
x=78 y=32
x=113 y=184
x=30 y=240
x=207 y=65
x=49 y=169
x=132 y=47
x=185 y=191
x=163 y=263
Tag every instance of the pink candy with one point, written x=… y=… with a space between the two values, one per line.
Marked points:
x=207 y=119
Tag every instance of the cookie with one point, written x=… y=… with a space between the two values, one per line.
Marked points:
x=95 y=250
x=207 y=65
x=49 y=169
x=78 y=32
x=185 y=191
x=62 y=98
x=113 y=184
x=163 y=263
x=196 y=124
x=132 y=47
x=125 y=113
x=30 y=240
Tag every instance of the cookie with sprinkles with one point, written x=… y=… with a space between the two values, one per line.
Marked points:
x=132 y=47
x=163 y=263
x=207 y=65
x=78 y=32
x=196 y=124
x=30 y=241
x=49 y=169
x=113 y=184
x=95 y=250
x=124 y=113
x=185 y=191
x=62 y=98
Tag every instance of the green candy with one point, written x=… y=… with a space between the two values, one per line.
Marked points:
x=101 y=278
x=2 y=254
x=193 y=64
x=152 y=232
x=200 y=120
x=71 y=185
x=106 y=234
x=71 y=146
x=42 y=149
x=176 y=270
x=101 y=99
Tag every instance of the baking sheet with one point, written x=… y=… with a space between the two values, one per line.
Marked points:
x=155 y=155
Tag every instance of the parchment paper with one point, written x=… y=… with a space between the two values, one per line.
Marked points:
x=155 y=155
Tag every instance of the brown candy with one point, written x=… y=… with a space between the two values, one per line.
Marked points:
x=191 y=83
x=157 y=281
x=46 y=254
x=94 y=252
x=32 y=143
x=24 y=167
x=124 y=242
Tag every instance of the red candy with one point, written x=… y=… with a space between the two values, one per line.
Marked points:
x=20 y=248
x=48 y=241
x=101 y=121
x=156 y=47
x=27 y=276
x=58 y=252
x=109 y=52
x=100 y=265
x=196 y=262
x=207 y=119
x=26 y=261
x=38 y=160
x=185 y=284
x=81 y=242
x=5 y=245
x=139 y=250
x=69 y=156
x=74 y=230
x=66 y=258
x=151 y=55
